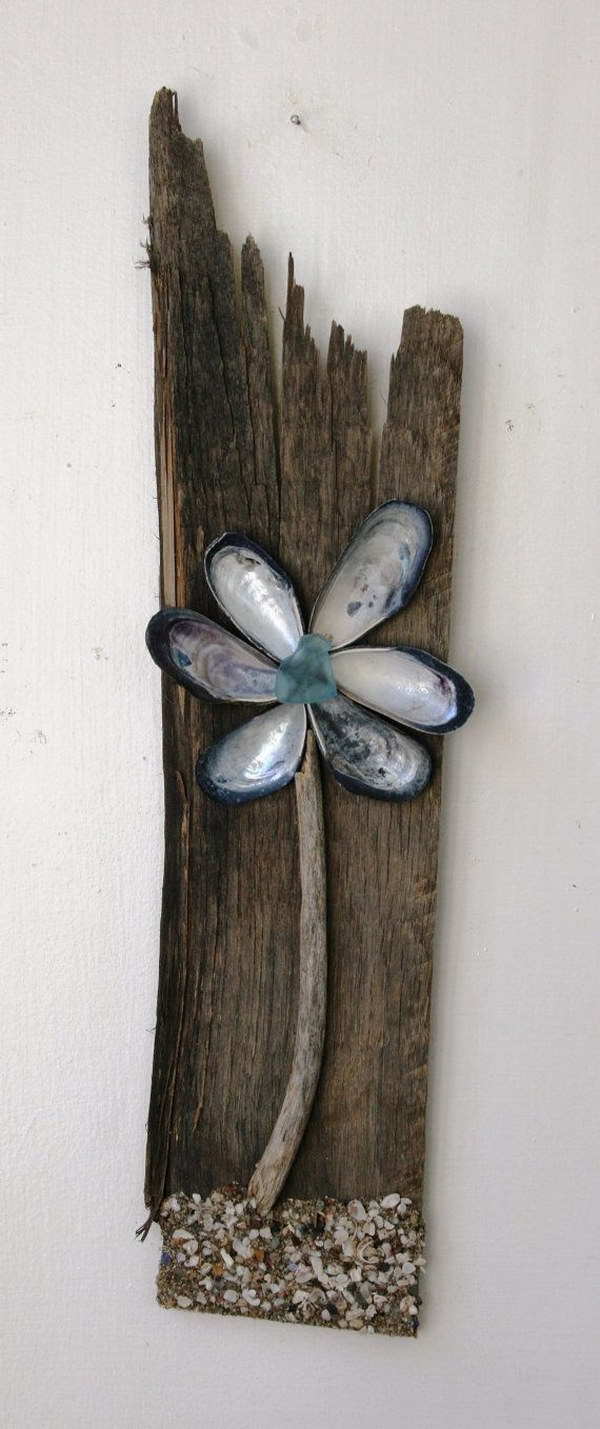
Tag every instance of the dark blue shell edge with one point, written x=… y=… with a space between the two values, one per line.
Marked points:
x=237 y=538
x=465 y=696
x=156 y=640
x=366 y=791
x=215 y=791
x=411 y=588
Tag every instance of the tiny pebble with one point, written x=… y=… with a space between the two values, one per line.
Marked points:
x=350 y=1265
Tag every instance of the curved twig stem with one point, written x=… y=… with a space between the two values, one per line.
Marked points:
x=278 y=1158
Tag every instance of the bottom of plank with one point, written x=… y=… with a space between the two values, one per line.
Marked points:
x=345 y=1265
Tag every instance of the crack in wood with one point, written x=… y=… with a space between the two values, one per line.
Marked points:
x=236 y=887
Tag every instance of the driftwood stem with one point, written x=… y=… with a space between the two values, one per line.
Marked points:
x=278 y=1158
x=222 y=1048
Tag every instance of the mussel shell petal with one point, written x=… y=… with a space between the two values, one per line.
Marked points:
x=407 y=685
x=255 y=593
x=366 y=754
x=211 y=662
x=256 y=759
x=376 y=575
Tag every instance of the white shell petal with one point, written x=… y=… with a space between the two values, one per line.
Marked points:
x=255 y=593
x=376 y=575
x=367 y=755
x=211 y=662
x=256 y=759
x=410 y=686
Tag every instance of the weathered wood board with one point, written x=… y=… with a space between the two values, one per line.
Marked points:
x=298 y=477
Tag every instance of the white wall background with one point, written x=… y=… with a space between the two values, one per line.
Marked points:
x=448 y=155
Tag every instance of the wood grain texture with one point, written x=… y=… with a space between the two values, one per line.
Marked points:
x=231 y=900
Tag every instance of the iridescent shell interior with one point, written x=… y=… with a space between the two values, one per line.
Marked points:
x=346 y=690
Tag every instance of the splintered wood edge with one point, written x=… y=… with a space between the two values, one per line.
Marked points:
x=384 y=1147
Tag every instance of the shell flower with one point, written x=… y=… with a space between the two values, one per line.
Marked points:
x=343 y=691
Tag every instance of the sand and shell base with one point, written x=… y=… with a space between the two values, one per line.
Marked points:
x=347 y=1265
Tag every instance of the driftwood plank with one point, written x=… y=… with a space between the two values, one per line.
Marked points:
x=231 y=900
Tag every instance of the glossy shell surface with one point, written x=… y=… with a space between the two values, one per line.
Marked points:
x=211 y=662
x=406 y=685
x=368 y=755
x=255 y=593
x=256 y=759
x=376 y=575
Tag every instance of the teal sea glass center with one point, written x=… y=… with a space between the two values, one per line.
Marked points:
x=306 y=677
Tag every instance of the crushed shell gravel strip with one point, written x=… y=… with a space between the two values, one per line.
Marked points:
x=347 y=1265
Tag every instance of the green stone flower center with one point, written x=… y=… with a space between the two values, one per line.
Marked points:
x=306 y=677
